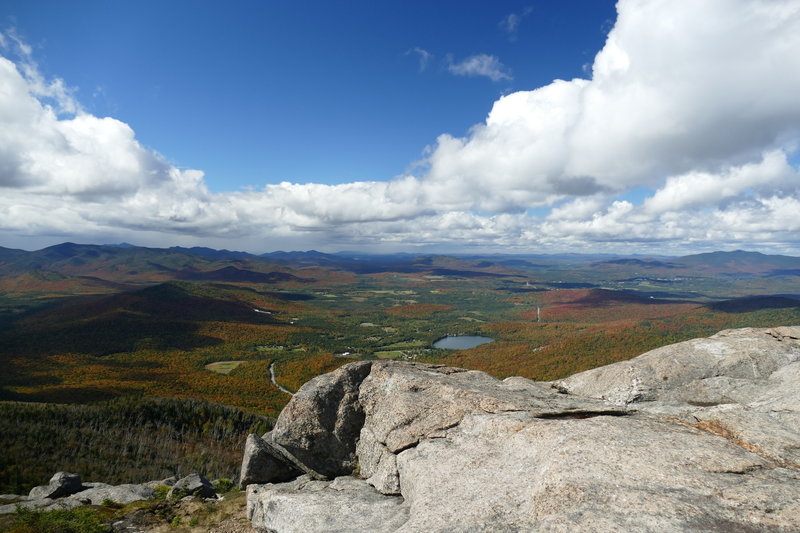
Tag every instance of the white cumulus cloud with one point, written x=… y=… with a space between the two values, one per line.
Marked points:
x=684 y=136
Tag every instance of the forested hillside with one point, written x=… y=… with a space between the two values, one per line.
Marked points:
x=122 y=441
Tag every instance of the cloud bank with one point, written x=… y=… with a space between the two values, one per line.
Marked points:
x=683 y=138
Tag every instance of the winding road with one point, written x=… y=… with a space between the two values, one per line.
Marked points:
x=272 y=378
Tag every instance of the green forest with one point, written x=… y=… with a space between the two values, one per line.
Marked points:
x=121 y=441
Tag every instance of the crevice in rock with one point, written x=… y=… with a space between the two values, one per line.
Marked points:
x=579 y=415
x=416 y=442
x=781 y=336
x=740 y=471
x=291 y=460
x=695 y=403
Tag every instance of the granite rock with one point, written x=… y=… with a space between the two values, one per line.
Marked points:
x=698 y=436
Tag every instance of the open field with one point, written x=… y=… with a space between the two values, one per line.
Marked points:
x=223 y=367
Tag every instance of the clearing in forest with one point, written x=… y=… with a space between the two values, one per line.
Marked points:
x=223 y=367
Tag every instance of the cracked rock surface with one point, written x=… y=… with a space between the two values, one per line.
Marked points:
x=697 y=436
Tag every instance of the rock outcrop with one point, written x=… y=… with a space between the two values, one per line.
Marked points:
x=320 y=426
x=123 y=494
x=61 y=484
x=66 y=491
x=702 y=435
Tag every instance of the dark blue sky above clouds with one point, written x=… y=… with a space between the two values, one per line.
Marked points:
x=577 y=125
x=257 y=92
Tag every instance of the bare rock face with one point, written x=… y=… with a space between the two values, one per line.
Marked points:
x=118 y=493
x=740 y=384
x=725 y=368
x=513 y=472
x=405 y=403
x=263 y=463
x=698 y=436
x=320 y=426
x=345 y=505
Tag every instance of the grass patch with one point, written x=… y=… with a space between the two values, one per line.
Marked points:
x=390 y=354
x=223 y=367
x=78 y=520
x=405 y=345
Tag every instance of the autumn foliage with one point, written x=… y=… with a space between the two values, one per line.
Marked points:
x=418 y=310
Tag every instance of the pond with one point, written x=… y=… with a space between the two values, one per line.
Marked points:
x=461 y=342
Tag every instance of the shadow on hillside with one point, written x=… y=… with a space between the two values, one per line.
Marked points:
x=68 y=395
x=168 y=316
x=107 y=335
x=176 y=301
x=604 y=298
x=289 y=296
x=232 y=274
x=754 y=303
x=17 y=378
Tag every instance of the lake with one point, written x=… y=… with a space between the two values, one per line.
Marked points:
x=461 y=342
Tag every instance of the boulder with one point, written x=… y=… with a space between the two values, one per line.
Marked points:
x=119 y=494
x=320 y=425
x=263 y=463
x=61 y=484
x=192 y=485
x=343 y=505
x=699 y=436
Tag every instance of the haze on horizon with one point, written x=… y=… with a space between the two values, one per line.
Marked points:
x=678 y=133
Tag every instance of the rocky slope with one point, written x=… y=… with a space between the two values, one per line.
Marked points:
x=66 y=491
x=698 y=436
x=187 y=505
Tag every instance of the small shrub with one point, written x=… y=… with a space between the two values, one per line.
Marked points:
x=108 y=502
x=161 y=491
x=177 y=494
x=223 y=485
x=176 y=522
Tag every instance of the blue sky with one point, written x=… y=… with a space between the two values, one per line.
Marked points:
x=644 y=126
x=254 y=92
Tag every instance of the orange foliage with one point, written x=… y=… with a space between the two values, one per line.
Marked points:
x=602 y=306
x=292 y=373
x=246 y=333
